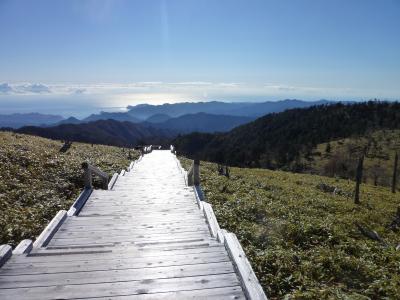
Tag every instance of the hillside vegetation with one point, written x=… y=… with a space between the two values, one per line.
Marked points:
x=107 y=132
x=281 y=140
x=36 y=180
x=302 y=240
x=339 y=158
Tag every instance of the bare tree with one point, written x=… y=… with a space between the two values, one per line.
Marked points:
x=358 y=179
x=394 y=178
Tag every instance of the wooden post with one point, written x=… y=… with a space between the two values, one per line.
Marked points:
x=394 y=179
x=87 y=175
x=196 y=172
x=190 y=175
x=358 y=180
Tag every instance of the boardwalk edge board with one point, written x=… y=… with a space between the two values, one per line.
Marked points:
x=46 y=235
x=113 y=181
x=249 y=280
x=5 y=254
x=79 y=202
x=24 y=247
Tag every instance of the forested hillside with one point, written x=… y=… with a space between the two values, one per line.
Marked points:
x=305 y=241
x=282 y=140
x=339 y=158
x=107 y=132
x=37 y=180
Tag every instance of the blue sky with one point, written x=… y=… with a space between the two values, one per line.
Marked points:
x=78 y=55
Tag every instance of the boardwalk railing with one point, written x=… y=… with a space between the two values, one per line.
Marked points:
x=89 y=171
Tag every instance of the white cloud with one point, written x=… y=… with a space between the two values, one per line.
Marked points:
x=35 y=88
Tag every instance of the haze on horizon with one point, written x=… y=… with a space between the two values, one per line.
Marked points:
x=73 y=57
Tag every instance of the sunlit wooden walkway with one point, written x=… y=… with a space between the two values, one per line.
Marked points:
x=146 y=238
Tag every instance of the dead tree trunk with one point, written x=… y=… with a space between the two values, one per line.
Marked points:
x=358 y=180
x=394 y=179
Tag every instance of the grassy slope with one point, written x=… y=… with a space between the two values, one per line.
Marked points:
x=378 y=162
x=302 y=242
x=36 y=180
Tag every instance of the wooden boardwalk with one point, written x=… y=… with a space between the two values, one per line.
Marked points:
x=144 y=239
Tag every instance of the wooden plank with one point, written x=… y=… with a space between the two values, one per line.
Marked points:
x=103 y=276
x=105 y=258
x=47 y=267
x=133 y=234
x=77 y=230
x=5 y=254
x=249 y=281
x=136 y=239
x=24 y=247
x=124 y=241
x=232 y=292
x=145 y=218
x=145 y=286
x=112 y=181
x=211 y=219
x=142 y=224
x=113 y=247
x=79 y=202
x=104 y=211
x=50 y=229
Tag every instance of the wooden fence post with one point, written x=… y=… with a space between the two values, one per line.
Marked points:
x=190 y=175
x=394 y=179
x=87 y=175
x=358 y=180
x=89 y=170
x=196 y=172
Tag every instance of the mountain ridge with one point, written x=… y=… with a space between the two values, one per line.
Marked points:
x=277 y=140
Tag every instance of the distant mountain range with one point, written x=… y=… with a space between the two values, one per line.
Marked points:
x=246 y=109
x=117 y=133
x=185 y=117
x=201 y=122
x=35 y=119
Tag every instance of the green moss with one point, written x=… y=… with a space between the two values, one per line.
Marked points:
x=36 y=180
x=303 y=242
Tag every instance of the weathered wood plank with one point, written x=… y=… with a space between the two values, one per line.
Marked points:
x=36 y=280
x=79 y=202
x=113 y=180
x=113 y=247
x=50 y=229
x=146 y=286
x=24 y=247
x=252 y=287
x=5 y=254
x=211 y=219
x=97 y=258
x=136 y=239
x=234 y=293
x=132 y=235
